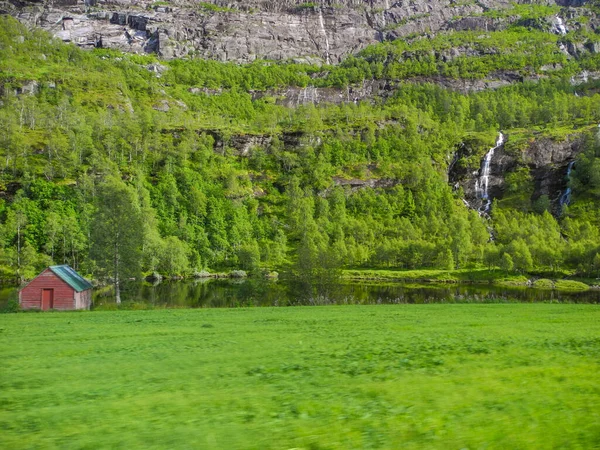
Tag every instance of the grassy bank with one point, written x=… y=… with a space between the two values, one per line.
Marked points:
x=486 y=276
x=436 y=275
x=420 y=376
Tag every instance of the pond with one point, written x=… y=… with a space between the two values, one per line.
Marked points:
x=227 y=293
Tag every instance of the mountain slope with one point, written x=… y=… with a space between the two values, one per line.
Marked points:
x=272 y=165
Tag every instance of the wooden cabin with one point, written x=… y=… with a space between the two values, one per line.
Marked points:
x=57 y=287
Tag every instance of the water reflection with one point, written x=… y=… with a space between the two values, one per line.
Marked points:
x=259 y=292
x=201 y=293
x=226 y=293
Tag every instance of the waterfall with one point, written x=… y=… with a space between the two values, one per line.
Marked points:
x=565 y=198
x=383 y=19
x=558 y=26
x=322 y=23
x=482 y=183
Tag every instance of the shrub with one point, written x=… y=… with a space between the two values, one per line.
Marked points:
x=11 y=307
x=238 y=274
x=570 y=285
x=202 y=274
x=543 y=283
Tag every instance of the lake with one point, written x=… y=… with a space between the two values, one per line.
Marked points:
x=228 y=293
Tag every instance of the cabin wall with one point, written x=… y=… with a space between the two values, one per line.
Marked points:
x=83 y=300
x=30 y=296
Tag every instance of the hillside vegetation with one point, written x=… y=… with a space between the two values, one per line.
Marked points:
x=216 y=173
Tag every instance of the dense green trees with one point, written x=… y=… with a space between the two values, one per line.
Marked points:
x=222 y=181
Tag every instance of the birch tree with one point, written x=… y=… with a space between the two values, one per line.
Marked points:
x=117 y=232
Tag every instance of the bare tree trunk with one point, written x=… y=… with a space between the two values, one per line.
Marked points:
x=19 y=252
x=117 y=289
x=64 y=246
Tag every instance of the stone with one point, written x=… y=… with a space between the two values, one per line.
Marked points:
x=157 y=68
x=28 y=88
x=593 y=47
x=324 y=31
x=162 y=106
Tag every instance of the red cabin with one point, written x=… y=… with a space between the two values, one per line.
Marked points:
x=57 y=287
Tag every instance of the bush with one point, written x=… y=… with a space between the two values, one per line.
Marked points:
x=543 y=283
x=202 y=274
x=11 y=307
x=570 y=285
x=238 y=274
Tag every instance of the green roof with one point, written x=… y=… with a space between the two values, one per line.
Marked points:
x=72 y=278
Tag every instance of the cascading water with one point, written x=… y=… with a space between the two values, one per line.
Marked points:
x=558 y=26
x=383 y=19
x=565 y=198
x=322 y=24
x=482 y=183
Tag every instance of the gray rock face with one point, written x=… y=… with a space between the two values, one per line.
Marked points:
x=295 y=96
x=373 y=183
x=369 y=90
x=235 y=30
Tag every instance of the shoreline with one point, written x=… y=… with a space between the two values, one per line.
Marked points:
x=469 y=276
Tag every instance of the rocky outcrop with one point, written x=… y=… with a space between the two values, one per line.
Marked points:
x=296 y=96
x=321 y=31
x=548 y=162
x=546 y=159
x=370 y=90
x=373 y=183
x=374 y=89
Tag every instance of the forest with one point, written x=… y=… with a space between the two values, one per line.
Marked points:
x=179 y=167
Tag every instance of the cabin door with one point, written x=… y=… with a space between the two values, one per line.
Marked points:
x=47 y=299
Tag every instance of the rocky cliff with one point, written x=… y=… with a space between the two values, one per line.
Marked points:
x=321 y=31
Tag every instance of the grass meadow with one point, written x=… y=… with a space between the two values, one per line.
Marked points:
x=505 y=376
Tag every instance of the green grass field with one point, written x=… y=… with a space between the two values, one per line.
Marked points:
x=505 y=376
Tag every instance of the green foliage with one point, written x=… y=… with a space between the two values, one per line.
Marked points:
x=307 y=5
x=174 y=260
x=543 y=283
x=227 y=179
x=211 y=7
x=249 y=256
x=116 y=228
x=436 y=276
x=12 y=306
x=571 y=285
x=506 y=262
x=524 y=11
